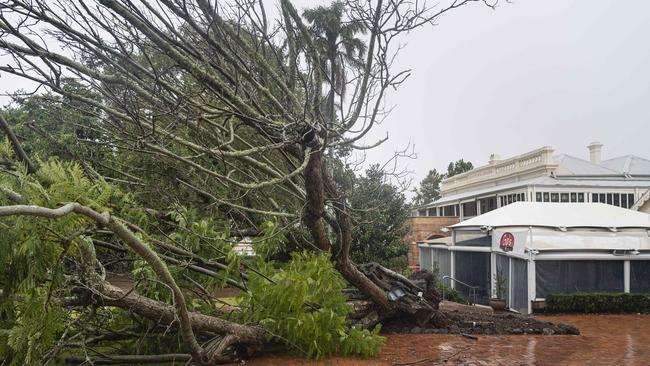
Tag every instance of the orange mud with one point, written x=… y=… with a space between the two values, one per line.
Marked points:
x=605 y=340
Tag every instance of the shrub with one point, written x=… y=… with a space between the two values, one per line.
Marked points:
x=596 y=302
x=305 y=308
x=451 y=294
x=448 y=293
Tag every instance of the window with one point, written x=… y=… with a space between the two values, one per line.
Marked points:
x=560 y=197
x=571 y=276
x=639 y=275
x=515 y=197
x=473 y=238
x=422 y=212
x=473 y=268
x=469 y=209
x=625 y=200
x=433 y=212
x=449 y=210
x=488 y=204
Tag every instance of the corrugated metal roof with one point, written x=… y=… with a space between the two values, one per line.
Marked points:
x=543 y=214
x=628 y=164
x=579 y=166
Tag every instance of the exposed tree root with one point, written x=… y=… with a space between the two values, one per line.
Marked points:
x=414 y=302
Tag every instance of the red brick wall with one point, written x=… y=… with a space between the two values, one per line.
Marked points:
x=421 y=228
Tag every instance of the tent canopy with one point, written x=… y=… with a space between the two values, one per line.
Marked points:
x=558 y=215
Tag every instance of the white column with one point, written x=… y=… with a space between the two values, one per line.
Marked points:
x=531 y=283
x=493 y=271
x=510 y=292
x=452 y=269
x=626 y=275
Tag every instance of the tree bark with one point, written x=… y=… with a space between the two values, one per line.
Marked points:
x=18 y=148
x=166 y=315
x=314 y=211
x=376 y=281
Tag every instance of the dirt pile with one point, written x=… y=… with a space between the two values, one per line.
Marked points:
x=479 y=322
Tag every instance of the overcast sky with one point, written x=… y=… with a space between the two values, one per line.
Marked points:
x=532 y=73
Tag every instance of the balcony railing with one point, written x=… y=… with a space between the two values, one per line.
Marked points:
x=542 y=157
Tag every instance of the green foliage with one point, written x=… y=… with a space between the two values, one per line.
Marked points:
x=597 y=302
x=40 y=265
x=34 y=329
x=429 y=189
x=335 y=38
x=448 y=293
x=451 y=294
x=305 y=308
x=35 y=254
x=379 y=212
x=52 y=126
x=458 y=167
x=500 y=284
x=271 y=241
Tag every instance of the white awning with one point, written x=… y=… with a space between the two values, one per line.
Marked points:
x=559 y=215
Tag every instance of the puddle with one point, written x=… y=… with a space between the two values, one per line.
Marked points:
x=605 y=340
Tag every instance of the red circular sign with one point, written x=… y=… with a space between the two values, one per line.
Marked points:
x=507 y=242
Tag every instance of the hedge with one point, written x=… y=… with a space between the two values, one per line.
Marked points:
x=597 y=302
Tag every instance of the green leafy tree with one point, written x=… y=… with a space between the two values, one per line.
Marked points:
x=379 y=213
x=51 y=125
x=223 y=107
x=304 y=304
x=429 y=189
x=458 y=167
x=338 y=46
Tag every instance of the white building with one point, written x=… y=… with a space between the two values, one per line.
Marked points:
x=541 y=176
x=544 y=248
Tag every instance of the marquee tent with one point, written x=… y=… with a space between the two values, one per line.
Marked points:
x=543 y=248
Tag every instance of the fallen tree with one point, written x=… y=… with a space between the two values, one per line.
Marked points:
x=101 y=293
x=56 y=291
x=212 y=105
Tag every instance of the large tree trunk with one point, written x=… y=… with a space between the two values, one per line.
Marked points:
x=393 y=294
x=250 y=337
x=313 y=215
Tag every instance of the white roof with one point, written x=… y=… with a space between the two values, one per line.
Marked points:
x=583 y=167
x=546 y=214
x=629 y=164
